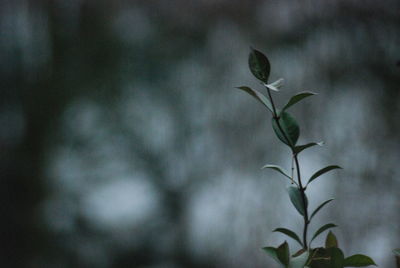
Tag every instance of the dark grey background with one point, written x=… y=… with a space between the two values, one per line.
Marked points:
x=124 y=143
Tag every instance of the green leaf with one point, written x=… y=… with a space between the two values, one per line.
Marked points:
x=322 y=171
x=290 y=129
x=358 y=260
x=277 y=168
x=319 y=258
x=337 y=257
x=297 y=200
x=319 y=207
x=296 y=98
x=326 y=258
x=259 y=65
x=283 y=253
x=271 y=251
x=299 y=260
x=322 y=229
x=300 y=148
x=289 y=233
x=275 y=86
x=260 y=97
x=397 y=251
x=331 y=241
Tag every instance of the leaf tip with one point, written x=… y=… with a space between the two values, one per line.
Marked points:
x=263 y=167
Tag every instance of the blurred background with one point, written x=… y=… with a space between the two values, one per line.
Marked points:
x=124 y=143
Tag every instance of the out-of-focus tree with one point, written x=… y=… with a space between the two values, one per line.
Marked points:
x=120 y=146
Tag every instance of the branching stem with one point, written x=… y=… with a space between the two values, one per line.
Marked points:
x=296 y=160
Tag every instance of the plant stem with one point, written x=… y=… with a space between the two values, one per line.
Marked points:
x=292 y=174
x=272 y=102
x=303 y=197
x=300 y=185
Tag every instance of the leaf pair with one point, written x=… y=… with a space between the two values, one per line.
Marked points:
x=266 y=102
x=285 y=127
x=313 y=177
x=331 y=241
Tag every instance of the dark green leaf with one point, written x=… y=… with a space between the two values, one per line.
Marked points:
x=326 y=258
x=319 y=258
x=297 y=200
x=260 y=97
x=319 y=207
x=397 y=251
x=289 y=233
x=300 y=148
x=289 y=127
x=271 y=251
x=337 y=257
x=283 y=253
x=259 y=65
x=358 y=260
x=322 y=229
x=322 y=171
x=331 y=241
x=279 y=169
x=296 y=98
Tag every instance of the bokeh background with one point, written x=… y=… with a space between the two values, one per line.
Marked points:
x=123 y=142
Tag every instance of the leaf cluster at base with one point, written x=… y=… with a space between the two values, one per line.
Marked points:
x=330 y=256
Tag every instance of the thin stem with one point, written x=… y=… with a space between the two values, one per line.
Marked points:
x=272 y=102
x=303 y=197
x=299 y=184
x=276 y=118
x=292 y=168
